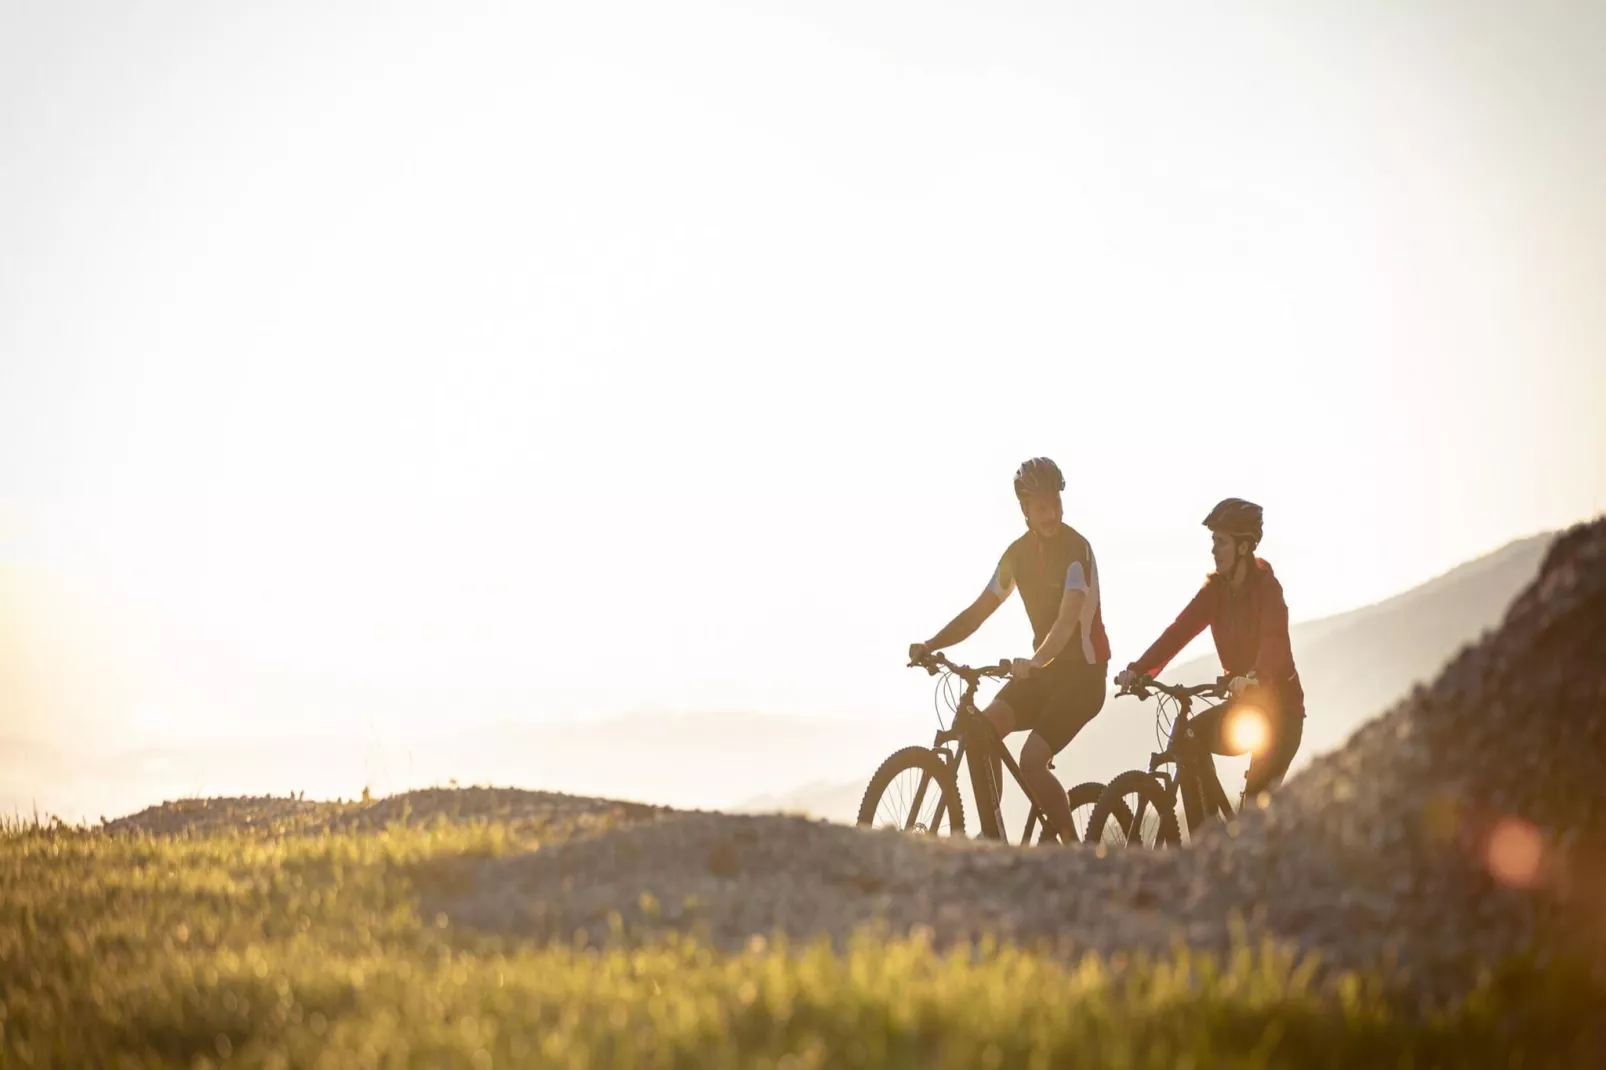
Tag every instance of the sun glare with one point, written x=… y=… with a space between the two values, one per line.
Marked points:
x=1246 y=729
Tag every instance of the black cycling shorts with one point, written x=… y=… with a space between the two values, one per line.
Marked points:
x=1057 y=701
x=1267 y=768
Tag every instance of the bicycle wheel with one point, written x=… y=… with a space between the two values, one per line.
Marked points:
x=1083 y=798
x=1150 y=818
x=889 y=800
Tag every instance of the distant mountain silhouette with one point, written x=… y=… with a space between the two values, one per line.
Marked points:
x=1353 y=665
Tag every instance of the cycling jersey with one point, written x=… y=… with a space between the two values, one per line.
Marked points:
x=1044 y=569
x=1249 y=624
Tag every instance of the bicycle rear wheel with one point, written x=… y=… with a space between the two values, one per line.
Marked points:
x=914 y=791
x=1133 y=810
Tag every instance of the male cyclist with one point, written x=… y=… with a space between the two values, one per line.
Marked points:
x=1061 y=686
x=1242 y=602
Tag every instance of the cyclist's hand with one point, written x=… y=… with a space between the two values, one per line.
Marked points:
x=1126 y=678
x=1021 y=668
x=918 y=652
x=1238 y=685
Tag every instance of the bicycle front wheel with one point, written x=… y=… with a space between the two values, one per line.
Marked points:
x=914 y=791
x=1149 y=818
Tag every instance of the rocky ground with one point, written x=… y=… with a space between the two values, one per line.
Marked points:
x=1464 y=825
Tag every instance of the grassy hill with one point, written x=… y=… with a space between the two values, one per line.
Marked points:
x=263 y=933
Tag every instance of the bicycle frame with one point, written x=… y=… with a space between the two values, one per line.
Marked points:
x=977 y=728
x=1195 y=779
x=1203 y=796
x=970 y=727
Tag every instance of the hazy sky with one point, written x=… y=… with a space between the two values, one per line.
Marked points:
x=562 y=359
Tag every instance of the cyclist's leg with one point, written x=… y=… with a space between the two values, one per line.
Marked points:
x=1266 y=770
x=1209 y=726
x=1044 y=787
x=1197 y=781
x=1012 y=709
x=1001 y=715
x=1078 y=696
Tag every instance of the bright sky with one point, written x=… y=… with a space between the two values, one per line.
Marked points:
x=581 y=358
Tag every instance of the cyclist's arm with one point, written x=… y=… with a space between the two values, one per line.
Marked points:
x=964 y=626
x=1070 y=615
x=1189 y=623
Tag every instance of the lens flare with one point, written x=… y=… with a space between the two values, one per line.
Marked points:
x=1247 y=730
x=1514 y=853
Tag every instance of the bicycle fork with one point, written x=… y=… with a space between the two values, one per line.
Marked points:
x=914 y=809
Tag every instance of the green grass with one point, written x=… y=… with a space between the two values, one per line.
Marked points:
x=294 y=949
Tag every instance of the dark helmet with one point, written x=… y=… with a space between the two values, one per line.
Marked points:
x=1234 y=516
x=1038 y=476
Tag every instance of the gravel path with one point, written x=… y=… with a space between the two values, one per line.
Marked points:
x=729 y=878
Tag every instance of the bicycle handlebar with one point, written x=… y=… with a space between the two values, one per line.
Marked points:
x=935 y=662
x=1146 y=683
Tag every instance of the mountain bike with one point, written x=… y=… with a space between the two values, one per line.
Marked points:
x=1142 y=806
x=935 y=768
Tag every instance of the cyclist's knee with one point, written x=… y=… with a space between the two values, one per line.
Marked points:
x=1035 y=753
x=1001 y=717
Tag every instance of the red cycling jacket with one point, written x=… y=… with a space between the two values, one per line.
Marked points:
x=1250 y=626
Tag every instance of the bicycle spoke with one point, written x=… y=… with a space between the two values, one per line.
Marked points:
x=1079 y=822
x=920 y=794
x=1145 y=828
x=910 y=803
x=1112 y=837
